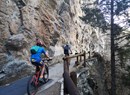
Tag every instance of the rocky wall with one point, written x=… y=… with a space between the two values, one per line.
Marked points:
x=56 y=22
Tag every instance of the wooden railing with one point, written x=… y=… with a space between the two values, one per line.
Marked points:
x=70 y=77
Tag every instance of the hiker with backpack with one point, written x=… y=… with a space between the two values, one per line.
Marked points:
x=36 y=55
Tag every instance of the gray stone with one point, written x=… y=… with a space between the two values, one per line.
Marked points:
x=16 y=42
x=54 y=21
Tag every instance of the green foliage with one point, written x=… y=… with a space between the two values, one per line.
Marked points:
x=121 y=5
x=124 y=55
x=117 y=30
x=94 y=17
x=128 y=21
x=126 y=78
x=120 y=9
x=124 y=52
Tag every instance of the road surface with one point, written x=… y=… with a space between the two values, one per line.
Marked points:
x=19 y=87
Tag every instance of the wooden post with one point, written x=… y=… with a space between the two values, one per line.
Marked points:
x=89 y=54
x=71 y=88
x=65 y=84
x=70 y=79
x=84 y=59
x=73 y=76
x=68 y=63
x=80 y=58
x=65 y=88
x=77 y=59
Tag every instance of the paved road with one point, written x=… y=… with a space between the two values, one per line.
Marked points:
x=19 y=87
x=56 y=74
x=16 y=88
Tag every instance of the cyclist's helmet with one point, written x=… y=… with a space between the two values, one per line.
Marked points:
x=39 y=42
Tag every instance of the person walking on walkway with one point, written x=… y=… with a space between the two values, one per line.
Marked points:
x=67 y=50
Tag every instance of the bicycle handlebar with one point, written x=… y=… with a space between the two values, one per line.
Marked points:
x=46 y=59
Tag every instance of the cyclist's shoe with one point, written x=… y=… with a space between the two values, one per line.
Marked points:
x=41 y=80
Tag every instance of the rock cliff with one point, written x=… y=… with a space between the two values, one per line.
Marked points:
x=56 y=22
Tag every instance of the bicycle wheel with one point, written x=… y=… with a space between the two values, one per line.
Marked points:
x=46 y=74
x=32 y=86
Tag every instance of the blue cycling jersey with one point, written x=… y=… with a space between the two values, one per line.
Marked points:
x=37 y=57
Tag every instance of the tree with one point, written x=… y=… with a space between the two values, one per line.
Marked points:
x=100 y=16
x=94 y=17
x=119 y=10
x=121 y=13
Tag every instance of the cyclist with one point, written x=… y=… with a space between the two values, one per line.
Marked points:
x=36 y=55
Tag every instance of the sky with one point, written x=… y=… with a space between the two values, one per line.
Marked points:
x=120 y=20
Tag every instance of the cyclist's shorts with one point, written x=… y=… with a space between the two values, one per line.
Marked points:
x=38 y=63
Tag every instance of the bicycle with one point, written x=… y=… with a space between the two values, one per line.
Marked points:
x=34 y=83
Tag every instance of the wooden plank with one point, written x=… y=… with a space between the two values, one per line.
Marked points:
x=73 y=56
x=73 y=76
x=69 y=84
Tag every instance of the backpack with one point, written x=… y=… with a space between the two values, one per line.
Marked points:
x=34 y=49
